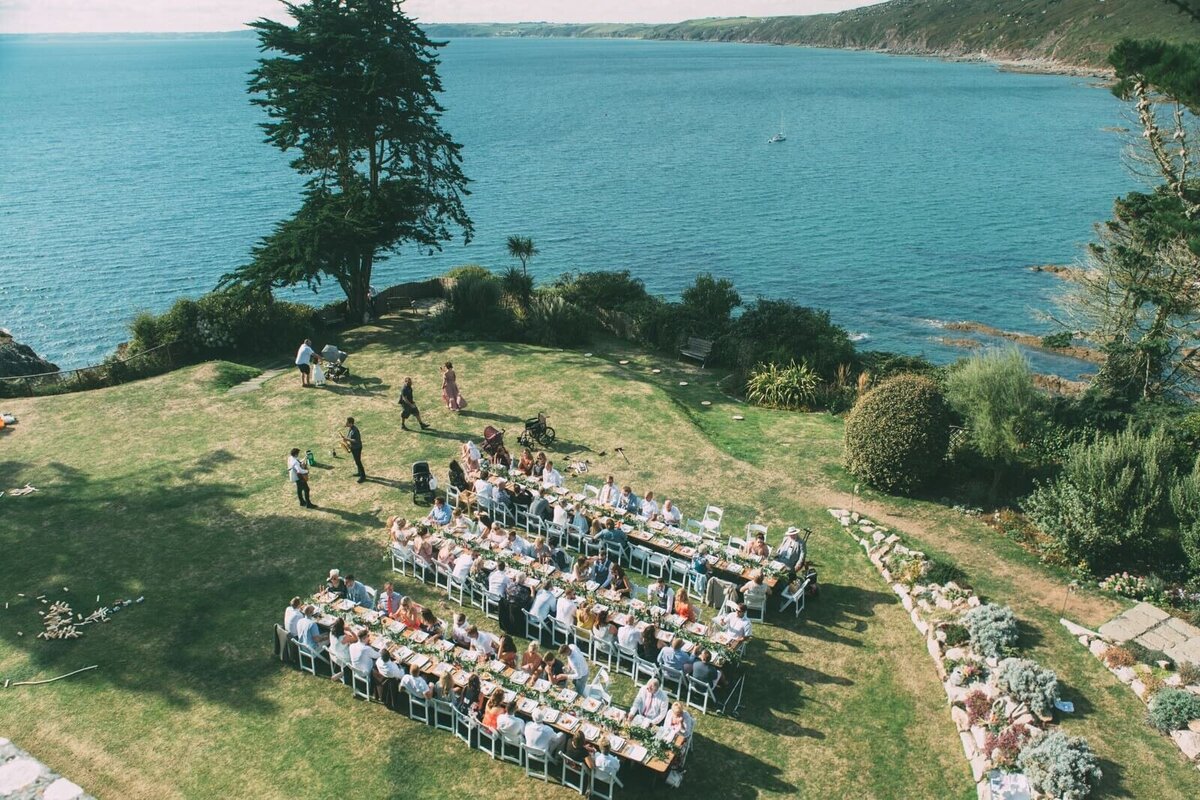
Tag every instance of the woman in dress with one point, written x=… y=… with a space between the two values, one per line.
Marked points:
x=508 y=651
x=617 y=581
x=531 y=660
x=340 y=640
x=431 y=624
x=525 y=465
x=648 y=646
x=450 y=394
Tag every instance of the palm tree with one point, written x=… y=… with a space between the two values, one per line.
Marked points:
x=523 y=248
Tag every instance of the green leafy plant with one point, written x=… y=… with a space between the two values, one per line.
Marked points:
x=955 y=634
x=993 y=630
x=1172 y=709
x=792 y=386
x=1027 y=682
x=551 y=321
x=1061 y=766
x=897 y=434
x=942 y=572
x=1057 y=340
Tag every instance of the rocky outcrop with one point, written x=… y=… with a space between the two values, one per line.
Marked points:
x=18 y=359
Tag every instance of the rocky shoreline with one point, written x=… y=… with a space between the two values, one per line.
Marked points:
x=18 y=359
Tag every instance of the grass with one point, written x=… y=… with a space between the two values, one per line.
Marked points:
x=173 y=489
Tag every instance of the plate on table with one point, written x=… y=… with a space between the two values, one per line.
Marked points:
x=614 y=713
x=509 y=695
x=616 y=742
x=541 y=685
x=497 y=666
x=419 y=660
x=371 y=617
x=568 y=722
x=519 y=677
x=487 y=687
x=640 y=721
x=527 y=705
x=779 y=566
x=557 y=591
x=460 y=678
x=635 y=603
x=663 y=541
x=420 y=636
x=546 y=569
x=636 y=752
x=442 y=668
x=696 y=628
x=344 y=605
x=489 y=565
x=722 y=638
x=567 y=695
x=446 y=645
x=591 y=586
x=550 y=715
x=591 y=704
x=404 y=654
x=590 y=732
x=686 y=551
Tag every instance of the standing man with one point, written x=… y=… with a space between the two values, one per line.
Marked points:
x=354 y=439
x=304 y=357
x=298 y=473
x=408 y=406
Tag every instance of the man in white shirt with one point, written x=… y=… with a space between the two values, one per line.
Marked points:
x=498 y=581
x=562 y=516
x=481 y=641
x=567 y=605
x=362 y=655
x=387 y=667
x=416 y=685
x=292 y=616
x=298 y=475
x=541 y=736
x=608 y=492
x=735 y=623
x=459 y=631
x=544 y=604
x=577 y=665
x=462 y=566
x=304 y=357
x=510 y=726
x=551 y=477
x=651 y=702
x=628 y=636
x=485 y=492
x=649 y=509
x=605 y=763
x=670 y=514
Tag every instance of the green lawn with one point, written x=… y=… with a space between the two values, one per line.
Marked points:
x=174 y=489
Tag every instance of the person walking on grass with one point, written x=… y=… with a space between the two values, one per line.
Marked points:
x=354 y=441
x=304 y=357
x=408 y=406
x=450 y=393
x=298 y=473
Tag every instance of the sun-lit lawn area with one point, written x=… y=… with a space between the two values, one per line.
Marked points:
x=174 y=489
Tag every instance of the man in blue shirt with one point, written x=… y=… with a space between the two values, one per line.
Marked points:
x=440 y=513
x=613 y=535
x=357 y=593
x=601 y=571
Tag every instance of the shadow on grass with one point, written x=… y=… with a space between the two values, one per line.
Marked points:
x=214 y=579
x=840 y=610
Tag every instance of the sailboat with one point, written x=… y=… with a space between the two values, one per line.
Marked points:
x=779 y=137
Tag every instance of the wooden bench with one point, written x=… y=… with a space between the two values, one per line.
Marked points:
x=699 y=349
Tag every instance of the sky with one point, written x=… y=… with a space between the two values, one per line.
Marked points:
x=122 y=16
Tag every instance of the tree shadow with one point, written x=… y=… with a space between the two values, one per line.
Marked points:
x=839 y=610
x=468 y=412
x=712 y=763
x=1083 y=706
x=208 y=464
x=1112 y=781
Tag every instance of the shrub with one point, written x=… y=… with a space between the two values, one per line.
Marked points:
x=1004 y=747
x=1061 y=766
x=469 y=271
x=1029 y=683
x=941 y=573
x=517 y=286
x=897 y=434
x=553 y=322
x=1185 y=504
x=993 y=630
x=473 y=304
x=1172 y=709
x=1111 y=499
x=792 y=387
x=978 y=706
x=1145 y=655
x=882 y=365
x=1126 y=585
x=1189 y=673
x=1057 y=340
x=711 y=300
x=956 y=634
x=781 y=331
x=1117 y=657
x=600 y=289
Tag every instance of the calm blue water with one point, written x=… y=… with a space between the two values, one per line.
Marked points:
x=910 y=190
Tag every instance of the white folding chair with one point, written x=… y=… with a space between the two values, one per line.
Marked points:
x=603 y=650
x=639 y=556
x=591 y=492
x=678 y=570
x=401 y=557
x=627 y=659
x=795 y=598
x=598 y=688
x=534 y=628
x=562 y=632
x=452 y=496
x=757 y=610
x=443 y=714
x=643 y=670
x=360 y=684
x=574 y=774
x=672 y=681
x=583 y=640
x=512 y=752
x=735 y=543
x=753 y=529
x=465 y=726
x=712 y=518
x=603 y=785
x=555 y=534
x=419 y=708
x=695 y=585
x=501 y=514
x=656 y=565
x=537 y=763
x=308 y=658
x=694 y=526
x=491 y=605
x=573 y=538
x=455 y=586
x=700 y=694
x=487 y=741
x=441 y=577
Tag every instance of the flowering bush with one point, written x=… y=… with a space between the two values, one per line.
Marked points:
x=1117 y=657
x=979 y=707
x=1060 y=766
x=993 y=630
x=1126 y=585
x=1004 y=747
x=1029 y=683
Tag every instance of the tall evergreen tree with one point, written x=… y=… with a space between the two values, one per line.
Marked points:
x=351 y=90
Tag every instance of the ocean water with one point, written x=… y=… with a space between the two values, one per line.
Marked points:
x=910 y=191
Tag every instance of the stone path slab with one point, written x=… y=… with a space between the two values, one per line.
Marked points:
x=23 y=777
x=1156 y=629
x=256 y=383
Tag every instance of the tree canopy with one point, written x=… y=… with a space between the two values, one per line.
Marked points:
x=351 y=89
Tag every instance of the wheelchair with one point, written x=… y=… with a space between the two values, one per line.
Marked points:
x=537 y=432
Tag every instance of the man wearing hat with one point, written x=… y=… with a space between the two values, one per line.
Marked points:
x=791 y=550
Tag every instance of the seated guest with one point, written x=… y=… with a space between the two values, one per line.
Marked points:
x=628 y=636
x=357 y=593
x=608 y=492
x=704 y=671
x=522 y=546
x=567 y=606
x=544 y=603
x=440 y=513
x=685 y=608
x=601 y=571
x=422 y=548
x=509 y=725
x=675 y=724
x=416 y=685
x=541 y=551
x=458 y=631
x=340 y=640
x=398 y=528
x=458 y=476
x=508 y=651
x=292 y=616
x=553 y=670
x=522 y=497
x=651 y=702
x=485 y=492
x=618 y=582
x=335 y=584
x=388 y=600
x=445 y=554
x=498 y=581
x=541 y=509
x=584 y=618
x=470 y=456
x=504 y=498
x=562 y=514
x=754 y=593
x=578 y=750
x=462 y=566
x=387 y=666
x=614 y=534
x=579 y=570
x=445 y=689
x=471 y=701
x=495 y=707
x=580 y=521
x=656 y=594
x=551 y=478
x=604 y=763
x=648 y=644
x=700 y=572
x=481 y=642
x=649 y=507
x=735 y=623
x=309 y=633
x=669 y=513
x=758 y=546
x=625 y=500
x=362 y=654
x=791 y=549
x=541 y=736
x=604 y=630
x=531 y=659
x=431 y=624
x=675 y=657
x=525 y=463
x=539 y=465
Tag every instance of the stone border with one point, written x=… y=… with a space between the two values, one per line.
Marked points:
x=922 y=602
x=1188 y=741
x=23 y=777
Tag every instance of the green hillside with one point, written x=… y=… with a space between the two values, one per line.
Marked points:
x=1072 y=32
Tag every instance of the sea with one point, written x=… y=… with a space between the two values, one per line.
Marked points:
x=909 y=192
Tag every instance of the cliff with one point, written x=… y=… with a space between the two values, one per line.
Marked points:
x=18 y=359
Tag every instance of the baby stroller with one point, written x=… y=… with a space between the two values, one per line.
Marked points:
x=493 y=445
x=335 y=363
x=537 y=432
x=424 y=484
